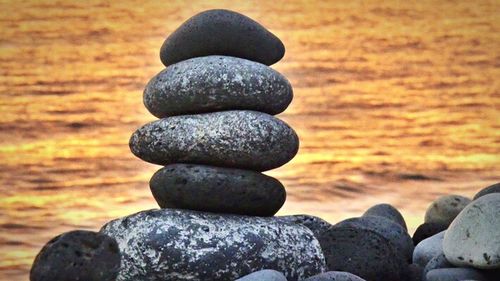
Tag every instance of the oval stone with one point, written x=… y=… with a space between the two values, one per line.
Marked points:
x=445 y=208
x=494 y=188
x=428 y=249
x=218 y=190
x=170 y=244
x=77 y=255
x=222 y=32
x=387 y=211
x=217 y=83
x=234 y=139
x=427 y=230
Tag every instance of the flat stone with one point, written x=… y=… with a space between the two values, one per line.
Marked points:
x=335 y=276
x=390 y=230
x=427 y=230
x=494 y=188
x=473 y=239
x=362 y=252
x=217 y=83
x=436 y=262
x=387 y=211
x=234 y=139
x=222 y=32
x=444 y=209
x=170 y=244
x=218 y=190
x=315 y=224
x=77 y=255
x=264 y=275
x=455 y=274
x=428 y=249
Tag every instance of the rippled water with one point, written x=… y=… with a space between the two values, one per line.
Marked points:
x=394 y=102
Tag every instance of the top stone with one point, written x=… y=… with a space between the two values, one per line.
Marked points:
x=222 y=32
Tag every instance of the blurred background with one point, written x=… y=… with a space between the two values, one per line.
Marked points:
x=395 y=102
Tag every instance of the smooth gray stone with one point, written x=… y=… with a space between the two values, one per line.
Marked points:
x=363 y=252
x=315 y=224
x=222 y=32
x=218 y=190
x=494 y=188
x=445 y=208
x=428 y=248
x=241 y=139
x=473 y=238
x=170 y=244
x=335 y=276
x=387 y=211
x=455 y=274
x=77 y=255
x=217 y=83
x=264 y=275
x=436 y=262
x=390 y=230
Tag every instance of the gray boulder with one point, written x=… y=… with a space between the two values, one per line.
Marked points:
x=445 y=208
x=436 y=262
x=335 y=276
x=264 y=275
x=387 y=211
x=315 y=224
x=494 y=188
x=428 y=248
x=455 y=274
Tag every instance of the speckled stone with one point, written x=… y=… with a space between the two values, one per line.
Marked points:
x=363 y=252
x=428 y=248
x=234 y=139
x=219 y=190
x=222 y=32
x=473 y=239
x=217 y=83
x=170 y=244
x=455 y=274
x=387 y=211
x=427 y=230
x=264 y=275
x=444 y=209
x=315 y=224
x=335 y=276
x=390 y=230
x=495 y=188
x=436 y=262
x=77 y=255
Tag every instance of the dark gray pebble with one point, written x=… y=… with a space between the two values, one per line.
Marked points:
x=387 y=211
x=315 y=224
x=494 y=188
x=455 y=274
x=427 y=230
x=439 y=261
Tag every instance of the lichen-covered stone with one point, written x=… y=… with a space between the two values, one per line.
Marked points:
x=445 y=208
x=222 y=32
x=315 y=224
x=234 y=139
x=217 y=83
x=387 y=211
x=77 y=255
x=219 y=190
x=171 y=244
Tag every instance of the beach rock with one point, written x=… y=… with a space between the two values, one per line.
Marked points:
x=217 y=83
x=428 y=248
x=315 y=224
x=495 y=188
x=455 y=274
x=77 y=255
x=427 y=230
x=473 y=239
x=444 y=209
x=264 y=275
x=335 y=276
x=361 y=251
x=234 y=139
x=170 y=244
x=436 y=262
x=218 y=190
x=222 y=32
x=387 y=211
x=414 y=272
x=390 y=230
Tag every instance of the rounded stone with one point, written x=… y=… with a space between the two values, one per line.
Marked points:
x=495 y=188
x=170 y=244
x=77 y=255
x=427 y=230
x=390 y=230
x=218 y=190
x=234 y=139
x=428 y=249
x=335 y=276
x=315 y=224
x=264 y=275
x=444 y=209
x=455 y=274
x=222 y=32
x=217 y=83
x=436 y=262
x=473 y=239
x=387 y=211
x=361 y=251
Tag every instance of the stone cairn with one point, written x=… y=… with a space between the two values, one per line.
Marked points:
x=216 y=134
